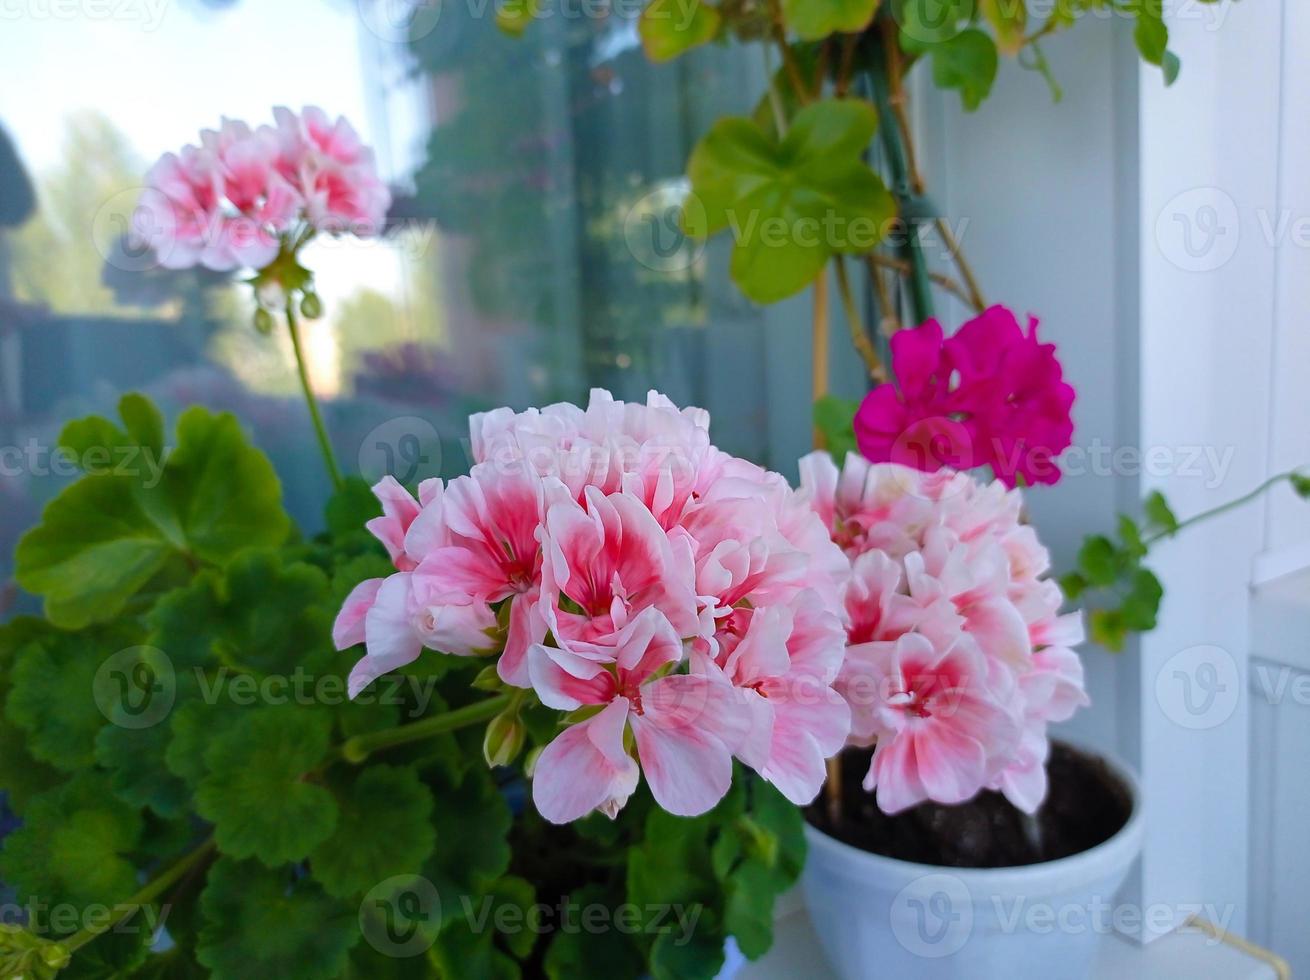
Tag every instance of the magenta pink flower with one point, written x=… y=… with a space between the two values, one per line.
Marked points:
x=989 y=395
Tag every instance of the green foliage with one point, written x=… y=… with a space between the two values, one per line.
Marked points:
x=23 y=954
x=266 y=922
x=256 y=792
x=967 y=62
x=144 y=779
x=1127 y=594
x=74 y=845
x=1111 y=572
x=1152 y=37
x=670 y=27
x=50 y=698
x=139 y=774
x=813 y=20
x=791 y=203
x=385 y=829
x=143 y=516
x=726 y=868
x=834 y=418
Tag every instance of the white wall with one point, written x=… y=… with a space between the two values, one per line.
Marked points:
x=1162 y=236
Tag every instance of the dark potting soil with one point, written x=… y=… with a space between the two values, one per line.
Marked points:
x=1086 y=805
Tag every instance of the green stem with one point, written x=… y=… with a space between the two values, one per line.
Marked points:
x=153 y=890
x=324 y=443
x=898 y=170
x=360 y=747
x=1205 y=515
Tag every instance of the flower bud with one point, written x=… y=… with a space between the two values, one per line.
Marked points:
x=504 y=738
x=263 y=321
x=488 y=679
x=311 y=306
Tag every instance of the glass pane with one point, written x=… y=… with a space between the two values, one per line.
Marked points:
x=532 y=252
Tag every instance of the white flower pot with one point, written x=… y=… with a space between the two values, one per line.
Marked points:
x=879 y=917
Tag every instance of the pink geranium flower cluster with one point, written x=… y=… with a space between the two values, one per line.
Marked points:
x=682 y=606
x=229 y=202
x=990 y=395
x=959 y=657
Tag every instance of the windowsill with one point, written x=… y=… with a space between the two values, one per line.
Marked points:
x=1183 y=955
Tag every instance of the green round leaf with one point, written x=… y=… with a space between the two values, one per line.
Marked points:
x=255 y=793
x=263 y=922
x=385 y=829
x=73 y=845
x=670 y=27
x=145 y=514
x=814 y=20
x=791 y=204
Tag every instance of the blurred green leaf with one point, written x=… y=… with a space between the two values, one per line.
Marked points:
x=835 y=418
x=793 y=203
x=1159 y=514
x=967 y=62
x=670 y=27
x=814 y=20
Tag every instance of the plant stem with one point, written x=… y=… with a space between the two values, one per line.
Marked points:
x=789 y=64
x=775 y=98
x=849 y=43
x=145 y=896
x=360 y=747
x=1205 y=515
x=324 y=443
x=966 y=271
x=920 y=287
x=905 y=269
x=819 y=347
x=897 y=102
x=889 y=322
x=859 y=336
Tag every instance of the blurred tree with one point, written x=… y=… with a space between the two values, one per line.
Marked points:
x=57 y=257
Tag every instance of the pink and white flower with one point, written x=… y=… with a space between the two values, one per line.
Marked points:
x=684 y=726
x=612 y=560
x=241 y=196
x=959 y=659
